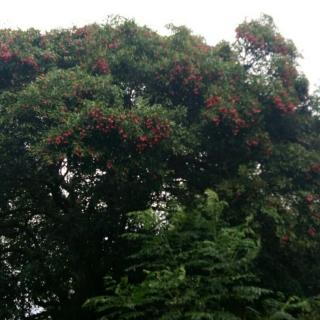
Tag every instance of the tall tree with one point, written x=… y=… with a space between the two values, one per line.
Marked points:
x=99 y=121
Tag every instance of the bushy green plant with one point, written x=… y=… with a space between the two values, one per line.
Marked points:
x=193 y=266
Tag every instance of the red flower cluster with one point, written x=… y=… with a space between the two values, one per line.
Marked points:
x=101 y=66
x=101 y=122
x=256 y=110
x=312 y=232
x=257 y=42
x=212 y=101
x=315 y=168
x=78 y=152
x=155 y=130
x=82 y=32
x=203 y=47
x=216 y=120
x=48 y=56
x=158 y=130
x=31 y=62
x=288 y=74
x=5 y=54
x=113 y=45
x=252 y=142
x=224 y=111
x=231 y=115
x=280 y=45
x=193 y=80
x=309 y=198
x=282 y=106
x=285 y=238
x=61 y=139
x=109 y=165
x=276 y=44
x=178 y=69
x=281 y=48
x=183 y=71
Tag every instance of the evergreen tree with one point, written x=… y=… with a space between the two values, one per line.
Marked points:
x=100 y=121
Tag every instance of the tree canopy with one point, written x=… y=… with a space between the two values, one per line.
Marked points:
x=185 y=175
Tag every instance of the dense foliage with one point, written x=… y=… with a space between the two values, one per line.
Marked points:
x=100 y=123
x=195 y=267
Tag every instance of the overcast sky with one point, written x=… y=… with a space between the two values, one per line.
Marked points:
x=215 y=19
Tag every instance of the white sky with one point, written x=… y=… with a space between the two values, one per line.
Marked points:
x=215 y=20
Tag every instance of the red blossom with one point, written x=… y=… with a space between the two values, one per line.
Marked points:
x=248 y=36
x=136 y=120
x=212 y=101
x=312 y=232
x=149 y=123
x=143 y=138
x=234 y=113
x=282 y=106
x=223 y=110
x=58 y=140
x=256 y=110
x=291 y=107
x=216 y=121
x=113 y=45
x=82 y=133
x=82 y=32
x=124 y=136
x=5 y=54
x=101 y=66
x=203 y=47
x=309 y=198
x=315 y=168
x=30 y=61
x=280 y=45
x=252 y=142
x=178 y=69
x=78 y=152
x=285 y=238
x=157 y=130
x=109 y=164
x=240 y=123
x=47 y=56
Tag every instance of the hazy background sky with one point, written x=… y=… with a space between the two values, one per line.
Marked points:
x=215 y=20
